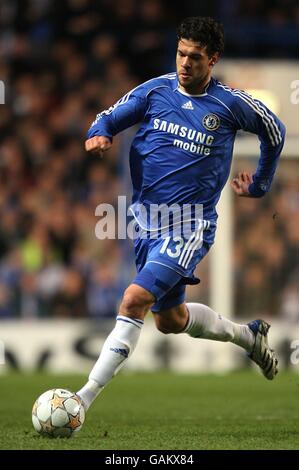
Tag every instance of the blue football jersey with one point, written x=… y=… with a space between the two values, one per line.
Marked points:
x=183 y=149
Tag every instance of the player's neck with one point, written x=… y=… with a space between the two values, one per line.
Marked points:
x=198 y=89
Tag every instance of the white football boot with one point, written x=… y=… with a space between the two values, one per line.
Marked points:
x=261 y=353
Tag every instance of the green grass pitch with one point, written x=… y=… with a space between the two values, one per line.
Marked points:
x=163 y=410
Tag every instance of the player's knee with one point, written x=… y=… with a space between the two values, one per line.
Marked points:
x=163 y=328
x=132 y=302
x=172 y=320
x=136 y=302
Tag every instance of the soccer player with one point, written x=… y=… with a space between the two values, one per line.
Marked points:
x=182 y=155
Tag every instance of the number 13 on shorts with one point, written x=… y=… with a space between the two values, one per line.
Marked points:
x=177 y=246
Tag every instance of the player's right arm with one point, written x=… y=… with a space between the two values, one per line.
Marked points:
x=126 y=112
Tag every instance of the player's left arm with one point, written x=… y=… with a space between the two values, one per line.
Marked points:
x=253 y=116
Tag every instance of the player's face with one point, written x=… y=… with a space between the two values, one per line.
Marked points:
x=194 y=66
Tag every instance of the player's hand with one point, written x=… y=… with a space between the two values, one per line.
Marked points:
x=97 y=145
x=241 y=183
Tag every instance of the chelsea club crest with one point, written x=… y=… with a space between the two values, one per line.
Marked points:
x=211 y=122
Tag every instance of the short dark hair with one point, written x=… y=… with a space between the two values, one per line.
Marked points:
x=205 y=30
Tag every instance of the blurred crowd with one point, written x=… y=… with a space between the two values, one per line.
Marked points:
x=62 y=62
x=266 y=248
x=255 y=28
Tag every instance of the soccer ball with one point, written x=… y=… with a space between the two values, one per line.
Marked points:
x=58 y=413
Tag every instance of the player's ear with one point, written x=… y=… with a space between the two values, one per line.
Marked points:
x=214 y=59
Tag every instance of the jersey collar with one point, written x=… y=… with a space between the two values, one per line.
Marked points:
x=194 y=96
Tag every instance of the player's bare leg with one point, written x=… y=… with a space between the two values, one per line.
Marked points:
x=121 y=342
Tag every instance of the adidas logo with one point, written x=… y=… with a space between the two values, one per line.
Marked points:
x=188 y=105
x=123 y=352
